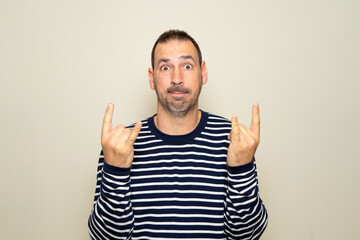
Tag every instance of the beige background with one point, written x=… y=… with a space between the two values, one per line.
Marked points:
x=62 y=62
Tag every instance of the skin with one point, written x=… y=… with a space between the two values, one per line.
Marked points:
x=177 y=64
x=244 y=141
x=177 y=78
x=118 y=142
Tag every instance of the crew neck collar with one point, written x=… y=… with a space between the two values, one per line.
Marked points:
x=186 y=138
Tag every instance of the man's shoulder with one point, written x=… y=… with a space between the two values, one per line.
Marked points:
x=144 y=121
x=215 y=118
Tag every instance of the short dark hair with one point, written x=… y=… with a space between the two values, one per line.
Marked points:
x=174 y=35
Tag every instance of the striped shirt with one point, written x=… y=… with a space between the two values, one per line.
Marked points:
x=178 y=187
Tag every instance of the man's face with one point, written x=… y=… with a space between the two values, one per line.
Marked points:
x=177 y=76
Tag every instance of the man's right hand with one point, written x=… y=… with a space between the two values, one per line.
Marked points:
x=118 y=143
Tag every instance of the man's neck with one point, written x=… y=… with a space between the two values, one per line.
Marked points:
x=172 y=125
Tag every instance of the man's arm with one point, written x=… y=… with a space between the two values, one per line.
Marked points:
x=112 y=216
x=245 y=214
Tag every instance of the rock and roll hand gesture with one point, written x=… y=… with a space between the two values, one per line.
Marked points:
x=118 y=143
x=244 y=141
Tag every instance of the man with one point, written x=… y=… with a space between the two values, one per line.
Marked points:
x=182 y=173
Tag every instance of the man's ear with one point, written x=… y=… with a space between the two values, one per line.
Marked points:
x=204 y=75
x=151 y=78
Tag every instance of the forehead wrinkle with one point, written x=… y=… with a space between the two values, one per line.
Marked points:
x=183 y=57
x=163 y=60
x=175 y=50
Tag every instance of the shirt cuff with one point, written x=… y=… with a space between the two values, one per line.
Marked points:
x=242 y=168
x=116 y=170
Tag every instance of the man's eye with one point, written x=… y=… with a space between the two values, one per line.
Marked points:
x=188 y=66
x=164 y=68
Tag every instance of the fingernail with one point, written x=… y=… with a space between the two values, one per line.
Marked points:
x=138 y=124
x=256 y=105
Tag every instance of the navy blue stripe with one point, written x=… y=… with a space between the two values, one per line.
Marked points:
x=192 y=184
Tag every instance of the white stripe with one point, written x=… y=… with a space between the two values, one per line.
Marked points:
x=141 y=132
x=180 y=223
x=179 y=215
x=118 y=183
x=178 y=231
x=236 y=211
x=219 y=118
x=147 y=142
x=119 y=224
x=148 y=136
x=178 y=168
x=118 y=215
x=112 y=201
x=237 y=196
x=172 y=237
x=180 y=146
x=240 y=174
x=178 y=176
x=220 y=123
x=212 y=141
x=159 y=238
x=177 y=184
x=179 y=161
x=236 y=191
x=97 y=225
x=177 y=191
x=178 y=207
x=244 y=203
x=103 y=230
x=250 y=227
x=240 y=220
x=180 y=153
x=115 y=176
x=219 y=128
x=215 y=134
x=244 y=184
x=232 y=180
x=117 y=195
x=178 y=199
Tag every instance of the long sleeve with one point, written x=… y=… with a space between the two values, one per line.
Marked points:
x=245 y=214
x=112 y=215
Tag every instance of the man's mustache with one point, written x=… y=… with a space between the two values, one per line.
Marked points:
x=178 y=88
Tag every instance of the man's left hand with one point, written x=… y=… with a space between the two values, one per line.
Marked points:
x=244 y=141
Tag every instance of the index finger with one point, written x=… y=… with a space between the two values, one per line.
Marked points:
x=255 y=121
x=107 y=122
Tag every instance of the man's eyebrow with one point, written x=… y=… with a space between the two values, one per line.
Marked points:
x=187 y=57
x=184 y=57
x=163 y=60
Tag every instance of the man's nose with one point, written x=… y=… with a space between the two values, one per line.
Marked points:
x=177 y=76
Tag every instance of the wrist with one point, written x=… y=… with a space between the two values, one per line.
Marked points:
x=238 y=162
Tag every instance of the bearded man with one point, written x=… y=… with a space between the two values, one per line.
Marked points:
x=183 y=173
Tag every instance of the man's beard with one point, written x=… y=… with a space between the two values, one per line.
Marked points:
x=177 y=107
